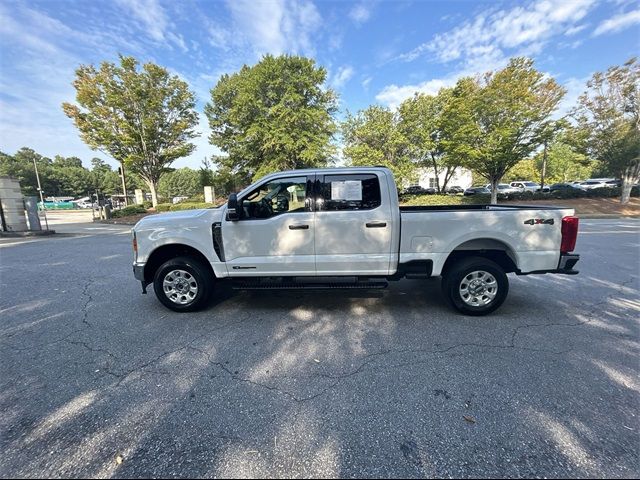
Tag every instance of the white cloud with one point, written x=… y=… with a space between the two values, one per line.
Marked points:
x=360 y=13
x=151 y=14
x=519 y=27
x=618 y=22
x=573 y=30
x=366 y=82
x=277 y=26
x=342 y=76
x=393 y=95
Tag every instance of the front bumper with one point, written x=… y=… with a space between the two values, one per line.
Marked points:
x=138 y=271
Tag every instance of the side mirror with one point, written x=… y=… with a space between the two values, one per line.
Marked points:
x=233 y=212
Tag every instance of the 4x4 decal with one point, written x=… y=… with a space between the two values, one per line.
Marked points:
x=539 y=221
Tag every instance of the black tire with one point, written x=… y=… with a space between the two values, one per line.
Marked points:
x=457 y=272
x=195 y=273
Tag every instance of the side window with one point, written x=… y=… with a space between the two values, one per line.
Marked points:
x=349 y=192
x=283 y=195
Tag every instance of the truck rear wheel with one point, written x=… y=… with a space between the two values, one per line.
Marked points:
x=475 y=285
x=183 y=284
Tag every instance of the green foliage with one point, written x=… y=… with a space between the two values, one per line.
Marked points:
x=564 y=163
x=434 y=200
x=181 y=182
x=128 y=211
x=523 y=170
x=421 y=119
x=493 y=123
x=373 y=137
x=275 y=115
x=170 y=207
x=142 y=118
x=608 y=116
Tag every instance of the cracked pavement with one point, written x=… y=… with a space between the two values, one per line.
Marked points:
x=97 y=380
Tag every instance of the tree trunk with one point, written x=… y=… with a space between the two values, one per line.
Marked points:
x=544 y=166
x=629 y=177
x=154 y=195
x=494 y=190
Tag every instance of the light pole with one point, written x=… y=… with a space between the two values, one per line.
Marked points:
x=44 y=209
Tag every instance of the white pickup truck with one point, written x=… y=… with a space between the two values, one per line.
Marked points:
x=344 y=228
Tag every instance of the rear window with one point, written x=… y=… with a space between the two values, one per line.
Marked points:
x=350 y=192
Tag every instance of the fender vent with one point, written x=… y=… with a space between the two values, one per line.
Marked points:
x=216 y=230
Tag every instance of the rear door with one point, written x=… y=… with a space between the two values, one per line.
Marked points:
x=275 y=235
x=353 y=225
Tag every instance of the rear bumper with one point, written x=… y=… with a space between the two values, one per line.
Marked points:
x=565 y=266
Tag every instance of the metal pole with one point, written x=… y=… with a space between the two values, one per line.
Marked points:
x=44 y=209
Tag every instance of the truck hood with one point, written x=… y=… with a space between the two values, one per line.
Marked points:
x=180 y=218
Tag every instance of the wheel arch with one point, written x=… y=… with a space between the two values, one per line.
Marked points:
x=168 y=251
x=494 y=249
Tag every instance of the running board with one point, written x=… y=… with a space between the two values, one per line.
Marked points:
x=308 y=286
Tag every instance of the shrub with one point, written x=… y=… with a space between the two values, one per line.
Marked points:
x=128 y=211
x=189 y=206
x=174 y=207
x=147 y=204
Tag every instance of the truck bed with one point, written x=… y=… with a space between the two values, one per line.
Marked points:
x=492 y=207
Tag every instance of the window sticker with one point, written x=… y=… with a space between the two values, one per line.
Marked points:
x=350 y=190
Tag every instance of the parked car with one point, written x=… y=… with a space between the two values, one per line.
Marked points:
x=476 y=191
x=418 y=190
x=349 y=225
x=504 y=190
x=593 y=184
x=526 y=186
x=454 y=190
x=565 y=187
x=83 y=204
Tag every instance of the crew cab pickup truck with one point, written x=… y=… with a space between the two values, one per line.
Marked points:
x=344 y=228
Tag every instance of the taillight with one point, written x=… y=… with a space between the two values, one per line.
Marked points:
x=135 y=243
x=569 y=234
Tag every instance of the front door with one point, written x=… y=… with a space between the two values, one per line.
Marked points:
x=353 y=226
x=275 y=234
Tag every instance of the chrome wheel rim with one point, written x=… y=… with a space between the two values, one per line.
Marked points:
x=180 y=287
x=478 y=289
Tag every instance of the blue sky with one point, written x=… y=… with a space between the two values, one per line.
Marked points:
x=374 y=52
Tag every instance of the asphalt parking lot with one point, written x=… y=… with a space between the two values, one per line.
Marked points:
x=98 y=380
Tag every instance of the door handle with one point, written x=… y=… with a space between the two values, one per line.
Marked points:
x=298 y=227
x=376 y=225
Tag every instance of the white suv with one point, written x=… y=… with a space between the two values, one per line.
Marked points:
x=524 y=186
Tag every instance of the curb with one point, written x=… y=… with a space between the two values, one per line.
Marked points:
x=39 y=233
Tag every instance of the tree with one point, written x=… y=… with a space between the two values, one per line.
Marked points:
x=493 y=122
x=275 y=115
x=20 y=166
x=373 y=137
x=206 y=173
x=420 y=122
x=142 y=118
x=72 y=178
x=104 y=178
x=180 y=182
x=608 y=113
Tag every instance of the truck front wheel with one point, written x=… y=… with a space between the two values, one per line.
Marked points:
x=183 y=284
x=475 y=285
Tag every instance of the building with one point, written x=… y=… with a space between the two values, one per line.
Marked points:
x=427 y=178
